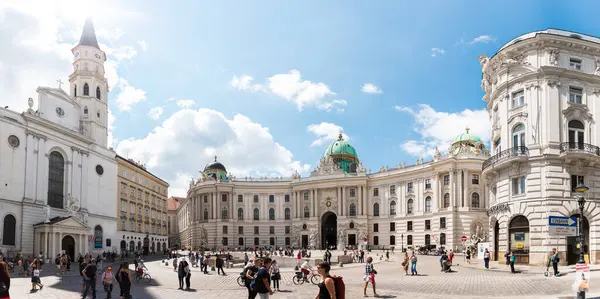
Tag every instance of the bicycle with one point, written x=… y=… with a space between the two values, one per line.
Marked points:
x=142 y=275
x=299 y=278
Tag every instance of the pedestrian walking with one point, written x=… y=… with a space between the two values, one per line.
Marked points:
x=555 y=260
x=35 y=277
x=369 y=277
x=125 y=281
x=251 y=271
x=174 y=264
x=405 y=263
x=275 y=275
x=512 y=262
x=188 y=275
x=219 y=265
x=413 y=264
x=486 y=259
x=181 y=273
x=262 y=282
x=451 y=256
x=327 y=285
x=89 y=274
x=468 y=256
x=107 y=281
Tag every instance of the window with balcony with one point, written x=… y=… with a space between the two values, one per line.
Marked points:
x=575 y=95
x=518 y=99
x=442 y=222
x=376 y=210
x=576 y=180
x=446 y=180
x=575 y=64
x=393 y=208
x=518 y=137
x=409 y=206
x=224 y=212
x=409 y=225
x=518 y=185
x=428 y=204
x=375 y=227
x=576 y=134
x=427 y=224
x=375 y=191
x=352 y=192
x=393 y=190
x=427 y=183
x=475 y=200
x=409 y=187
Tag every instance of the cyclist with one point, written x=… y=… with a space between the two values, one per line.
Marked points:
x=306 y=269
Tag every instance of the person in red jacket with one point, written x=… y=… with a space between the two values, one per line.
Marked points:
x=451 y=256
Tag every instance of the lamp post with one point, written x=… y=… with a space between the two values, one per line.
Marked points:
x=402 y=238
x=580 y=190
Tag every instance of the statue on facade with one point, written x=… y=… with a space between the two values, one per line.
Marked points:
x=341 y=239
x=436 y=154
x=72 y=205
x=553 y=58
x=597 y=71
x=362 y=236
x=203 y=237
x=47 y=211
x=296 y=175
x=84 y=218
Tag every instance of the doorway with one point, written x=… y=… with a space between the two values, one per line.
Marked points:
x=496 y=240
x=328 y=230
x=68 y=245
x=352 y=239
x=304 y=241
x=518 y=230
x=572 y=249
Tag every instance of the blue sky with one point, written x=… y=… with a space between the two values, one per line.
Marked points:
x=164 y=52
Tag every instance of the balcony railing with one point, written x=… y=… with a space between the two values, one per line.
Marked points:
x=517 y=151
x=576 y=147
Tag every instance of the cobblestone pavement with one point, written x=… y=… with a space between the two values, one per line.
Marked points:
x=391 y=283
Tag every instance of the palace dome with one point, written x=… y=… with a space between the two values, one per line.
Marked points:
x=215 y=170
x=467 y=137
x=341 y=147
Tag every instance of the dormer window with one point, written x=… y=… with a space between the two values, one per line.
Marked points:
x=575 y=95
x=98 y=93
x=518 y=99
x=86 y=89
x=575 y=64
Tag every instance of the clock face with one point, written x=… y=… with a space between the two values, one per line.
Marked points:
x=60 y=111
x=97 y=55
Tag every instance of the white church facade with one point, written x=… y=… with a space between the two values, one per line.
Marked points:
x=58 y=179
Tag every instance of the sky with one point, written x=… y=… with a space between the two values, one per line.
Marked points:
x=266 y=85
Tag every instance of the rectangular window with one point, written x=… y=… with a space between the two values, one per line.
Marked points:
x=475 y=179
x=352 y=192
x=225 y=230
x=376 y=240
x=392 y=226
x=375 y=191
x=305 y=195
x=256 y=230
x=123 y=206
x=255 y=198
x=575 y=64
x=205 y=199
x=442 y=222
x=427 y=183
x=518 y=99
x=271 y=230
x=575 y=95
x=427 y=224
x=375 y=227
x=287 y=198
x=393 y=190
x=240 y=198
x=518 y=185
x=271 y=198
x=409 y=187
x=576 y=180
x=224 y=197
x=240 y=230
x=446 y=180
x=287 y=229
x=123 y=188
x=124 y=173
x=409 y=225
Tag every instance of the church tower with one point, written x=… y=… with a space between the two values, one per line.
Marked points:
x=89 y=87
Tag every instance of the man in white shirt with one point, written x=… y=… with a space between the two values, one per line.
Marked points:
x=306 y=269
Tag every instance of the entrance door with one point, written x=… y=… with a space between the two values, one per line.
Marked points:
x=328 y=230
x=352 y=239
x=304 y=241
x=572 y=249
x=68 y=245
x=496 y=240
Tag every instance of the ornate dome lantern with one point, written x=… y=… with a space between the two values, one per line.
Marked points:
x=467 y=143
x=343 y=154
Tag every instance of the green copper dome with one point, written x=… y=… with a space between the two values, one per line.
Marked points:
x=467 y=137
x=343 y=154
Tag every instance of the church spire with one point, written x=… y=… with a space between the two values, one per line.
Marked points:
x=88 y=36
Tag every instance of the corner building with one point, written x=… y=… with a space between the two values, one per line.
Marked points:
x=542 y=91
x=342 y=204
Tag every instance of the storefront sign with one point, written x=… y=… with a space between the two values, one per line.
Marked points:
x=497 y=209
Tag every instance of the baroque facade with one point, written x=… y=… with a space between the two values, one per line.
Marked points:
x=58 y=176
x=142 y=208
x=542 y=90
x=433 y=203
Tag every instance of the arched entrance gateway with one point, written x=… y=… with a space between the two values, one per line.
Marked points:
x=572 y=249
x=518 y=240
x=68 y=245
x=328 y=230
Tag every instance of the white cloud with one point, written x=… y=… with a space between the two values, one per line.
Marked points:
x=325 y=132
x=155 y=112
x=243 y=146
x=290 y=86
x=370 y=88
x=437 y=51
x=185 y=103
x=486 y=39
x=440 y=128
x=120 y=53
x=129 y=95
x=171 y=99
x=143 y=45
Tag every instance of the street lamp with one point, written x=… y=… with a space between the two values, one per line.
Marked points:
x=402 y=238
x=580 y=190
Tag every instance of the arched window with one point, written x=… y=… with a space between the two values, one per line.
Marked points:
x=205 y=214
x=224 y=212
x=428 y=204
x=409 y=206
x=306 y=212
x=446 y=200
x=288 y=214
x=74 y=90
x=256 y=214
x=427 y=240
x=442 y=239
x=393 y=208
x=240 y=214
x=86 y=89
x=392 y=240
x=98 y=236
x=98 y=93
x=475 y=200
x=409 y=240
x=352 y=210
x=56 y=180
x=519 y=137
x=256 y=241
x=9 y=230
x=85 y=110
x=376 y=209
x=576 y=134
x=271 y=214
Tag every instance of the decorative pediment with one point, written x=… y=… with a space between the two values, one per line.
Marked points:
x=575 y=111
x=519 y=117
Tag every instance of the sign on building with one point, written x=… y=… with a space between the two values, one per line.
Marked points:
x=561 y=226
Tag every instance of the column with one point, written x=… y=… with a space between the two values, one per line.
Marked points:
x=31 y=162
x=231 y=199
x=462 y=188
x=214 y=205
x=45 y=245
x=359 y=190
x=42 y=171
x=452 y=188
x=313 y=196
x=342 y=198
x=84 y=179
x=54 y=251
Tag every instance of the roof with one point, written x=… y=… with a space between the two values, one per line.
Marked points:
x=53 y=220
x=132 y=163
x=88 y=36
x=341 y=147
x=174 y=202
x=552 y=31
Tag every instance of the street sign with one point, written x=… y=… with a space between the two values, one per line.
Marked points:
x=560 y=226
x=562 y=221
x=463 y=238
x=582 y=278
